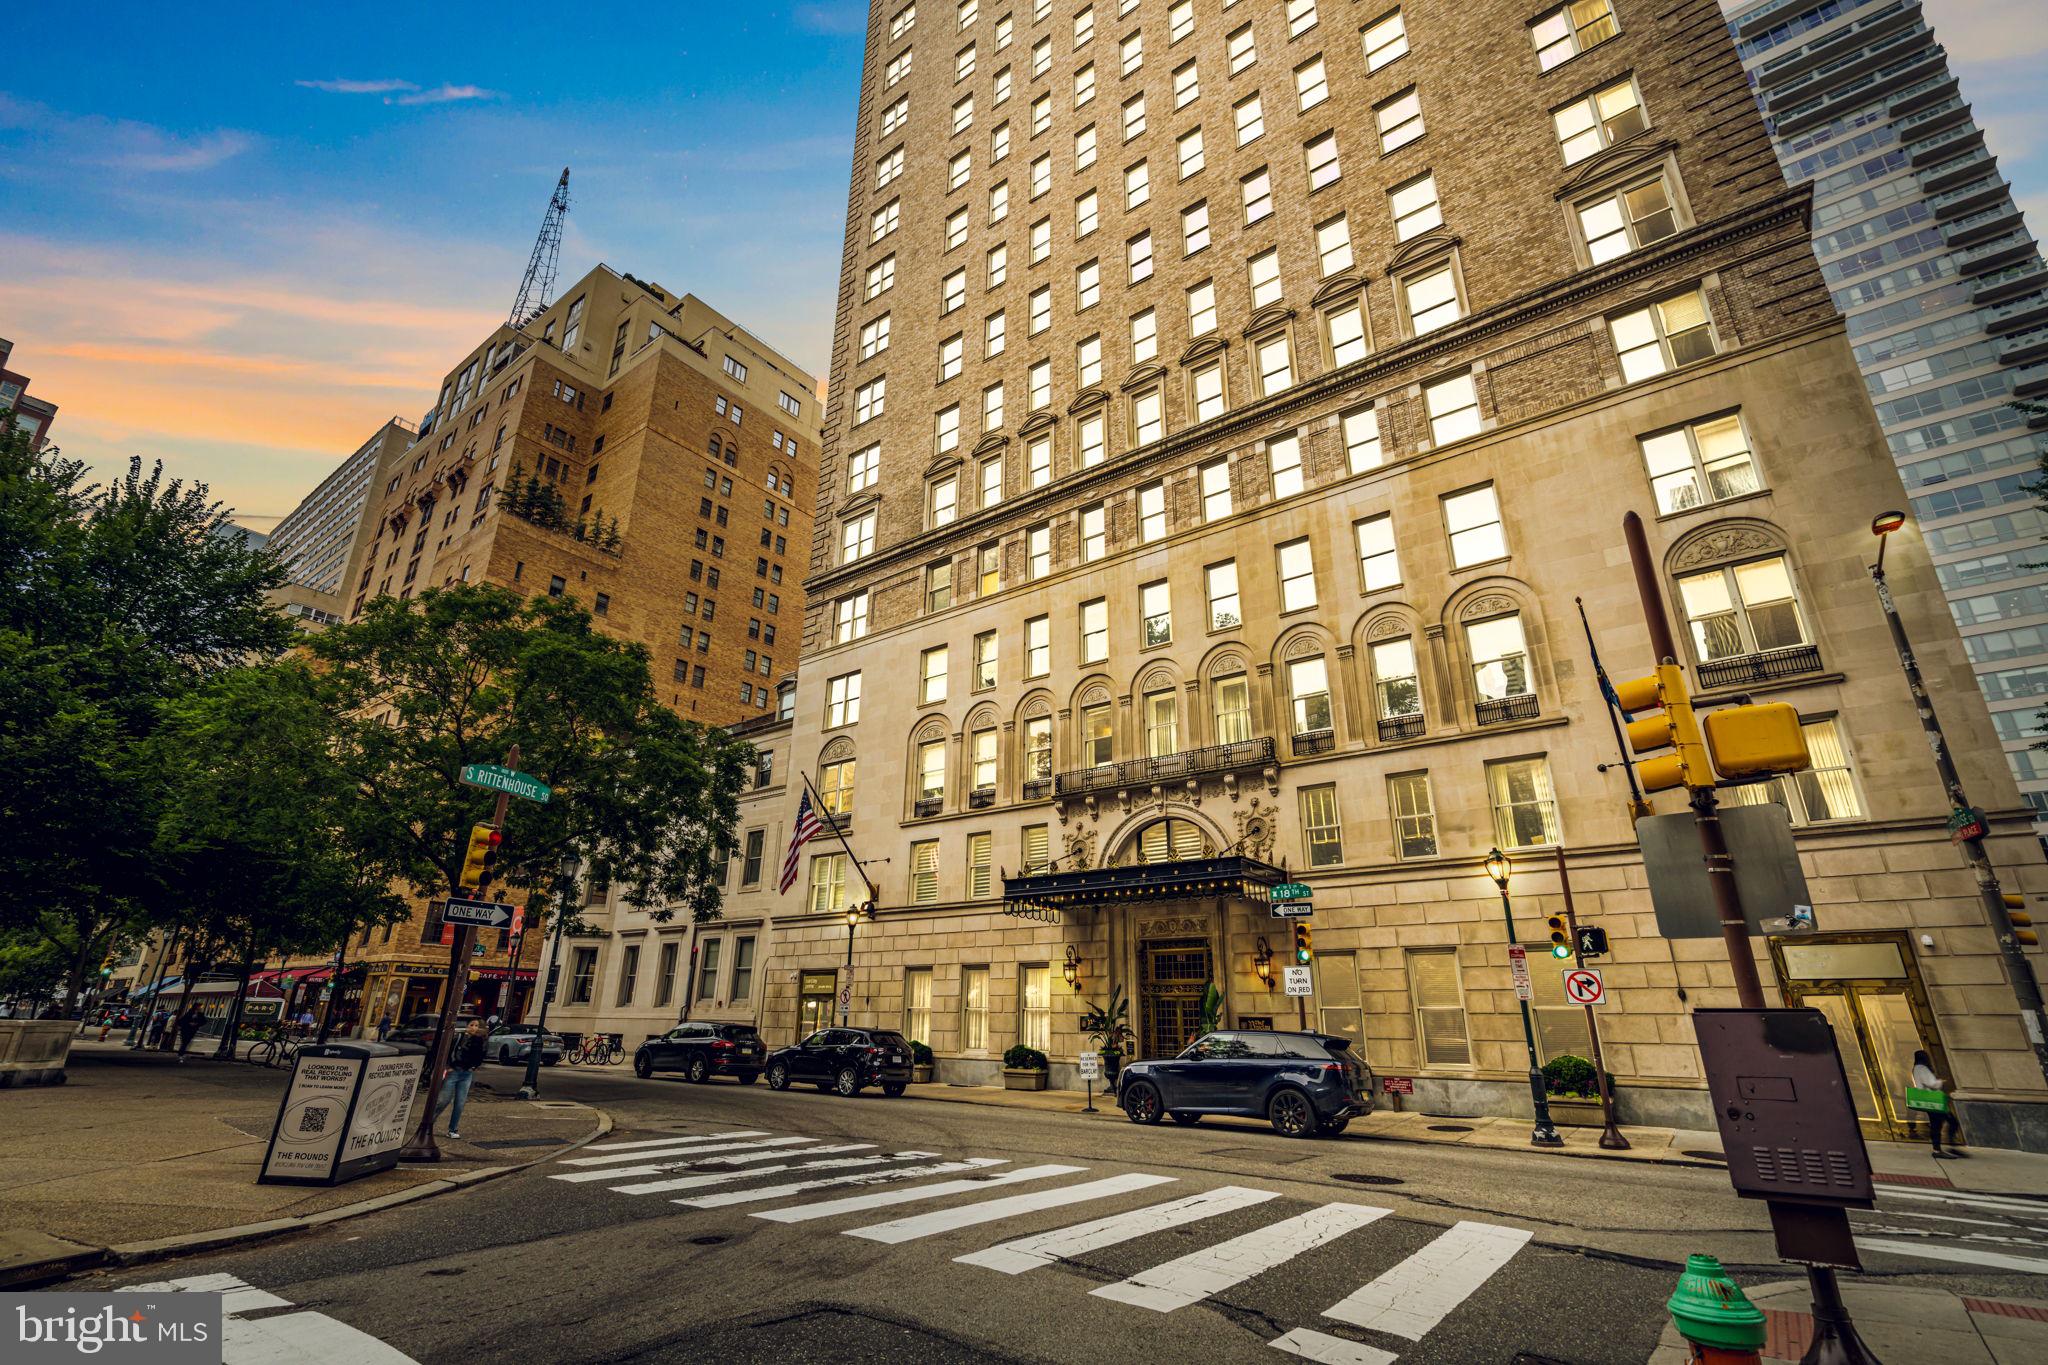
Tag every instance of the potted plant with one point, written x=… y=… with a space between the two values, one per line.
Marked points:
x=1574 y=1092
x=921 y=1063
x=1109 y=1028
x=1024 y=1068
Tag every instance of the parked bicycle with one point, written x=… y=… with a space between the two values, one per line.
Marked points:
x=276 y=1048
x=597 y=1049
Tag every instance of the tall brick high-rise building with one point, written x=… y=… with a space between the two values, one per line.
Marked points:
x=1228 y=403
x=325 y=539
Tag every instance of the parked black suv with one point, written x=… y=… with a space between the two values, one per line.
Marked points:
x=1304 y=1084
x=701 y=1051
x=844 y=1059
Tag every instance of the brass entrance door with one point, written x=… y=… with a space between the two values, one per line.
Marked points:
x=1869 y=988
x=1173 y=976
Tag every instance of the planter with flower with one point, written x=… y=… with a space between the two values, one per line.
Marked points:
x=1024 y=1068
x=1574 y=1092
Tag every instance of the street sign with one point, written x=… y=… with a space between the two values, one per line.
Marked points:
x=1965 y=823
x=1292 y=891
x=1592 y=940
x=1293 y=909
x=1584 y=987
x=485 y=914
x=1768 y=877
x=1397 y=1085
x=512 y=782
x=1091 y=1066
x=1299 y=980
x=1518 y=963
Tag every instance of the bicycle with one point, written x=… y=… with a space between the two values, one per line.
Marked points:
x=275 y=1049
x=615 y=1049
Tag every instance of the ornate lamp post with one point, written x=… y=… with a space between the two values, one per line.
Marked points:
x=1544 y=1134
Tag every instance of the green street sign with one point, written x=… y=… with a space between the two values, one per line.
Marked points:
x=491 y=777
x=1292 y=891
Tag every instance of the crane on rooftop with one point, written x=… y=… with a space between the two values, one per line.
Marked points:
x=539 y=280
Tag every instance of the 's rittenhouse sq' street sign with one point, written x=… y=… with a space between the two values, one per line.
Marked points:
x=512 y=782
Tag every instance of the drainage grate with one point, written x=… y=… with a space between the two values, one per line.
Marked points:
x=1351 y=1177
x=1450 y=1127
x=1706 y=1156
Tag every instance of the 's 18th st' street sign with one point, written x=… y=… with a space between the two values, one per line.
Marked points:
x=1291 y=891
x=512 y=782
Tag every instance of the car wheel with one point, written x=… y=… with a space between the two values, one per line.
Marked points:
x=643 y=1065
x=893 y=1089
x=847 y=1082
x=749 y=1077
x=700 y=1070
x=778 y=1077
x=504 y=1056
x=1291 y=1114
x=1185 y=1119
x=1141 y=1103
x=1332 y=1127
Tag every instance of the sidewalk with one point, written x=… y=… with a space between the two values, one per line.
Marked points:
x=1986 y=1170
x=138 y=1155
x=1898 y=1324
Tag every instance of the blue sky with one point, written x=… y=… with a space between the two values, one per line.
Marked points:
x=239 y=238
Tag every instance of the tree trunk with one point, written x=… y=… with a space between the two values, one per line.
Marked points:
x=233 y=1027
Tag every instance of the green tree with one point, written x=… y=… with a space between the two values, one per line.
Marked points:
x=114 y=600
x=458 y=676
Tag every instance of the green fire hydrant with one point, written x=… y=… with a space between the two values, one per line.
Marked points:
x=1713 y=1314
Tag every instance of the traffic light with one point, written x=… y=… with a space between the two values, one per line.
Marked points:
x=1304 y=944
x=1753 y=741
x=1670 y=726
x=481 y=859
x=2022 y=922
x=1560 y=937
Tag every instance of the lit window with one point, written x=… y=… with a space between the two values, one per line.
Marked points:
x=1208 y=382
x=1152 y=512
x=1524 y=805
x=1147 y=422
x=1743 y=609
x=1600 y=120
x=1570 y=29
x=1098 y=738
x=1308 y=687
x=1321 y=155
x=1251 y=119
x=1264 y=272
x=1194 y=228
x=1700 y=463
x=1258 y=195
x=1216 y=503
x=1275 y=364
x=1095 y=630
x=1415 y=207
x=1432 y=300
x=1362 y=439
x=1333 y=245
x=1379 y=561
x=1385 y=39
x=1283 y=463
x=1453 y=407
x=1667 y=334
x=1347 y=334
x=1500 y=658
x=1472 y=519
x=1399 y=119
x=842 y=700
x=1220 y=581
x=1202 y=311
x=1619 y=223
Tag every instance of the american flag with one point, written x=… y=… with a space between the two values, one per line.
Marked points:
x=808 y=827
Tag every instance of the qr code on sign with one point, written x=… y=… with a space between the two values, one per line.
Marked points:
x=313 y=1121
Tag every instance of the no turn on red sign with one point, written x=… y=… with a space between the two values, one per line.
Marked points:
x=1584 y=987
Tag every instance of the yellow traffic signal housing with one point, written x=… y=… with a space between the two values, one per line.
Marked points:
x=481 y=856
x=1304 y=944
x=1560 y=937
x=2022 y=922
x=1669 y=724
x=1752 y=741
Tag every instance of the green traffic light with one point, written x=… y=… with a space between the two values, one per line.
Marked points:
x=1560 y=950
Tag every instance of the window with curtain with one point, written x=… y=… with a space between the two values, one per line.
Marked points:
x=924 y=872
x=1742 y=609
x=917 y=1004
x=1233 y=702
x=1441 y=1032
x=1414 y=815
x=1036 y=845
x=1034 y=1006
x=1826 y=791
x=835 y=787
x=1168 y=841
x=980 y=861
x=974 y=1009
x=1162 y=724
x=828 y=883
x=1524 y=804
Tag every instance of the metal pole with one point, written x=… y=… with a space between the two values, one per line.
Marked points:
x=531 y=1086
x=1544 y=1134
x=846 y=991
x=421 y=1146
x=1638 y=807
x=333 y=991
x=1610 y=1134
x=156 y=986
x=2018 y=970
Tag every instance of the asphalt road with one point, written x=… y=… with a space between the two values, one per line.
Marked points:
x=1428 y=1254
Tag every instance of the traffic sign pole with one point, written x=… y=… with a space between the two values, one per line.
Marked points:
x=1610 y=1132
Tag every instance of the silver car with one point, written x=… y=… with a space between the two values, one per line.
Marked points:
x=510 y=1043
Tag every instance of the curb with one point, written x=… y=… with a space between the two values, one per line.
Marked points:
x=136 y=1253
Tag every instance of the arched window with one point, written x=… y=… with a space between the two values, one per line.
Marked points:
x=1170 y=841
x=836 y=777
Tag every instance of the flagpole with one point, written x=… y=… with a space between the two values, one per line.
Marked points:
x=1637 y=805
x=832 y=821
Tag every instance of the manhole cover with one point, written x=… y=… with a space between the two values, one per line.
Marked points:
x=710 y=1241
x=1706 y=1156
x=1356 y=1179
x=1450 y=1127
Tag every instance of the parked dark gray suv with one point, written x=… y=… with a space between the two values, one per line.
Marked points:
x=1304 y=1084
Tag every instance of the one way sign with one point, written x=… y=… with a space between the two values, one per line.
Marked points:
x=484 y=914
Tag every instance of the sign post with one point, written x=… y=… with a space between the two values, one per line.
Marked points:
x=1582 y=986
x=1292 y=900
x=1299 y=980
x=1518 y=966
x=1091 y=1068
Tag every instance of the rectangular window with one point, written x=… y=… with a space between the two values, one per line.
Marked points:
x=1397 y=689
x=924 y=872
x=1570 y=29
x=1301 y=17
x=1524 y=806
x=1415 y=207
x=1134 y=116
x=1137 y=185
x=1264 y=275
x=1322 y=837
x=1440 y=1024
x=1283 y=464
x=1232 y=698
x=582 y=976
x=989 y=570
x=1628 y=220
x=1187 y=84
x=665 y=977
x=828 y=884
x=1036 y=845
x=1190 y=153
x=1250 y=117
x=750 y=862
x=1040 y=380
x=1362 y=439
x=994 y=335
x=953 y=293
x=1742 y=609
x=1216 y=503
x=1667 y=334
x=1308 y=685
x=1257 y=189
x=1038 y=748
x=1038 y=550
x=1155 y=612
x=1089 y=440
x=1500 y=658
x=931 y=772
x=874 y=337
x=1034 y=1006
x=852 y=617
x=1311 y=84
x=1347 y=334
x=1243 y=52
x=992 y=408
x=1087 y=214
x=932 y=676
x=1472 y=519
x=1041 y=175
x=629 y=969
x=842 y=700
x=883 y=220
x=870 y=400
x=1098 y=741
x=1560 y=1024
x=1094 y=630
x=1208 y=384
x=1702 y=462
x=1041 y=309
x=1151 y=512
x=881 y=276
x=1194 y=230
x=1826 y=791
x=1333 y=245
x=1600 y=120
x=1432 y=300
x=1321 y=156
x=917 y=1004
x=1297 y=575
x=707 y=968
x=998 y=203
x=974 y=1009
x=1453 y=407
x=1275 y=363
x=1220 y=582
x=1138 y=257
x=1180 y=20
x=998 y=265
x=945 y=495
x=980 y=866
x=1379 y=561
x=1409 y=801
x=1399 y=120
x=984 y=661
x=1094 y=537
x=1038 y=647
x=857 y=538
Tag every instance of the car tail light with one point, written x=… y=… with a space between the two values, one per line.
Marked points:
x=720 y=1045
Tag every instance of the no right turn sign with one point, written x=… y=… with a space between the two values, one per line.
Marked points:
x=1584 y=987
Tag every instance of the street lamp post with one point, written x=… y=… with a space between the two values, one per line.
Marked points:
x=854 y=915
x=2018 y=970
x=571 y=866
x=1544 y=1134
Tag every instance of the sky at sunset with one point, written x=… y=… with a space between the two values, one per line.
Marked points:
x=239 y=239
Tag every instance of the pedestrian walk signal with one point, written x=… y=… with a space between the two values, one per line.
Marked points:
x=1304 y=944
x=2022 y=922
x=480 y=861
x=1560 y=937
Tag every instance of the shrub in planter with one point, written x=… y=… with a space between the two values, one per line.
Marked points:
x=921 y=1062
x=1571 y=1077
x=1024 y=1068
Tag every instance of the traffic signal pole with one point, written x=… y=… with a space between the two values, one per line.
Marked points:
x=1610 y=1134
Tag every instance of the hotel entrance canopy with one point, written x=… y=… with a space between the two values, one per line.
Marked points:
x=1048 y=895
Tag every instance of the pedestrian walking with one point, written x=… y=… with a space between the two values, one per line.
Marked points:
x=384 y=1026
x=155 y=1036
x=188 y=1025
x=1929 y=1094
x=464 y=1057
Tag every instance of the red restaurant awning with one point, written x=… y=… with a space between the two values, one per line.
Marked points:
x=500 y=974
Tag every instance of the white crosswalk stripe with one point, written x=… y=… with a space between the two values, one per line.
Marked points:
x=991 y=1210
x=1029 y=1253
x=1414 y=1296
x=741 y=1159
x=755 y=1196
x=287 y=1339
x=1196 y=1276
x=672 y=1140
x=860 y=1203
x=1310 y=1344
x=1964 y=1255
x=699 y=1182
x=623 y=1158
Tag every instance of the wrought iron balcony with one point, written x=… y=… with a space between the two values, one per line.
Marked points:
x=1767 y=666
x=1037 y=788
x=928 y=805
x=1314 y=742
x=1144 y=772
x=1501 y=710
x=981 y=798
x=1401 y=727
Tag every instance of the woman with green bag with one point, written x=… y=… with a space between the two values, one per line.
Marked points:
x=1929 y=1095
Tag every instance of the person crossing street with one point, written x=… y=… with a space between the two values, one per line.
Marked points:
x=464 y=1058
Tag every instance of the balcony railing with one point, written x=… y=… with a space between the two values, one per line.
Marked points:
x=1501 y=710
x=1400 y=727
x=1144 y=772
x=981 y=798
x=1314 y=742
x=1037 y=788
x=1764 y=667
x=927 y=805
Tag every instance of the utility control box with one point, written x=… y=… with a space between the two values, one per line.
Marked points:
x=1788 y=1122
